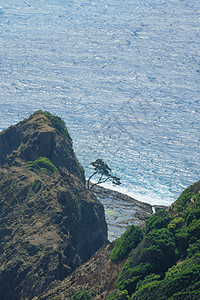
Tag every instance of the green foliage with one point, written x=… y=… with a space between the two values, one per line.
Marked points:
x=128 y=241
x=194 y=213
x=42 y=164
x=155 y=254
x=193 y=249
x=194 y=295
x=58 y=124
x=181 y=279
x=130 y=277
x=194 y=231
x=175 y=224
x=158 y=220
x=101 y=168
x=36 y=185
x=159 y=250
x=118 y=295
x=185 y=199
x=82 y=295
x=189 y=233
x=113 y=295
x=182 y=241
x=148 y=279
x=150 y=271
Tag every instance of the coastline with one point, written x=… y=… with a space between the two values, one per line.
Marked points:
x=122 y=211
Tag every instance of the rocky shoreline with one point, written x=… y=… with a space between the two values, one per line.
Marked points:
x=122 y=210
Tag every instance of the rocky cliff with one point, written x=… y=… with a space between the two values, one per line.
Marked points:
x=49 y=222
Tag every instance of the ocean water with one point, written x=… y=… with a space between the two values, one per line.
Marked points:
x=123 y=75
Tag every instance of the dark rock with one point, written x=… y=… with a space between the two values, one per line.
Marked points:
x=121 y=211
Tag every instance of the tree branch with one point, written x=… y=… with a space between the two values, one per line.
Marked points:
x=90 y=178
x=99 y=182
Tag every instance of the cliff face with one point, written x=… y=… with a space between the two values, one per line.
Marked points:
x=49 y=222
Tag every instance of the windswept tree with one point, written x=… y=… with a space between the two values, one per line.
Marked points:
x=105 y=173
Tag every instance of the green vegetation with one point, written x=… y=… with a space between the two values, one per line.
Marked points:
x=164 y=263
x=42 y=164
x=118 y=295
x=158 y=220
x=128 y=241
x=155 y=254
x=181 y=279
x=186 y=201
x=36 y=185
x=101 y=168
x=82 y=295
x=175 y=224
x=58 y=124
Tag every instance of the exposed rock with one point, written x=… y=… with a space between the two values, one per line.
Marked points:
x=49 y=222
x=121 y=211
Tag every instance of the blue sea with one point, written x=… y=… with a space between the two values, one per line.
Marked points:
x=123 y=75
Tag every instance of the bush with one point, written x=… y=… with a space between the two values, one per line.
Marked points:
x=193 y=249
x=129 y=279
x=82 y=295
x=155 y=254
x=193 y=214
x=128 y=241
x=157 y=221
x=150 y=271
x=194 y=231
x=180 y=280
x=182 y=241
x=184 y=200
x=124 y=295
x=175 y=224
x=160 y=249
x=42 y=164
x=58 y=124
x=36 y=185
x=113 y=295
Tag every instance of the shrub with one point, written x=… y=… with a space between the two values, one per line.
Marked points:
x=193 y=214
x=42 y=164
x=184 y=200
x=58 y=124
x=175 y=224
x=155 y=254
x=128 y=241
x=194 y=231
x=157 y=221
x=113 y=295
x=180 y=280
x=118 y=295
x=160 y=249
x=193 y=249
x=36 y=185
x=82 y=295
x=124 y=295
x=182 y=240
x=166 y=234
x=129 y=280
